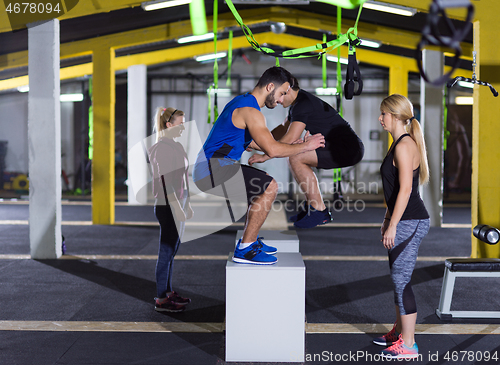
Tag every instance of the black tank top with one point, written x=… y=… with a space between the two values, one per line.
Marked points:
x=390 y=182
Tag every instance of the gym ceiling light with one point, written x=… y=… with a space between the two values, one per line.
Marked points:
x=326 y=91
x=155 y=5
x=212 y=56
x=335 y=59
x=389 y=8
x=370 y=43
x=196 y=38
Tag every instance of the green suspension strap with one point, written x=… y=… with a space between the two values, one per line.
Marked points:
x=337 y=173
x=323 y=65
x=229 y=58
x=294 y=53
x=339 y=67
x=277 y=62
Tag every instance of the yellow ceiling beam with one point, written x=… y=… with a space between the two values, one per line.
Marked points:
x=66 y=73
x=290 y=16
x=87 y=7
x=189 y=51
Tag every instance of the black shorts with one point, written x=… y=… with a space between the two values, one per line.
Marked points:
x=343 y=148
x=238 y=182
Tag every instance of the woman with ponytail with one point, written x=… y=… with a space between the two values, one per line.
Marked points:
x=170 y=187
x=406 y=220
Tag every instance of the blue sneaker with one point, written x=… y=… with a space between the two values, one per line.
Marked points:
x=270 y=250
x=314 y=218
x=253 y=254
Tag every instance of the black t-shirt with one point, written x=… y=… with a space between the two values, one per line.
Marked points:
x=390 y=182
x=319 y=117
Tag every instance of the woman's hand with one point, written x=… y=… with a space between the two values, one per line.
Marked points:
x=384 y=226
x=388 y=236
x=189 y=211
x=179 y=214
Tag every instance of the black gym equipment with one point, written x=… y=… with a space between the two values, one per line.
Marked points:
x=486 y=233
x=432 y=36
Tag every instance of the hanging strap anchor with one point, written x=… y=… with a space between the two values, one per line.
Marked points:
x=353 y=75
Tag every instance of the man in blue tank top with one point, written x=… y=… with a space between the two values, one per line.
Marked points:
x=242 y=125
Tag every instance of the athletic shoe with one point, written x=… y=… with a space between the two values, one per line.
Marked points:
x=314 y=218
x=270 y=250
x=400 y=351
x=387 y=339
x=177 y=299
x=167 y=305
x=253 y=254
x=303 y=210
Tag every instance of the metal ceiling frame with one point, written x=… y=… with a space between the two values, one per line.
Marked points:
x=171 y=31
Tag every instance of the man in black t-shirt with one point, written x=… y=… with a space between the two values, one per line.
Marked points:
x=342 y=148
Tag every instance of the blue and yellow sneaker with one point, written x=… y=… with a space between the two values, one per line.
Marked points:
x=253 y=254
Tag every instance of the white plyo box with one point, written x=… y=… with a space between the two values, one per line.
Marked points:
x=265 y=310
x=284 y=241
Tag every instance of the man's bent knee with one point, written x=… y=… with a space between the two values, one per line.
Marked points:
x=272 y=187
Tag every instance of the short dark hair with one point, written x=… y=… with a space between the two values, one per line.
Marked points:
x=294 y=85
x=276 y=75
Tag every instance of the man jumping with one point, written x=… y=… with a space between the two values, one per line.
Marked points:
x=242 y=125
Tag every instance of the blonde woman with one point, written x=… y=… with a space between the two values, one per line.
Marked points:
x=406 y=220
x=170 y=188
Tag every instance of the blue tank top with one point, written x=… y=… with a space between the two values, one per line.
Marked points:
x=226 y=143
x=390 y=182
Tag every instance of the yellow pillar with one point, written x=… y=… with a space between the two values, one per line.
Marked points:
x=485 y=204
x=398 y=83
x=398 y=79
x=103 y=162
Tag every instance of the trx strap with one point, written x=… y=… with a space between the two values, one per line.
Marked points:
x=323 y=65
x=339 y=67
x=431 y=35
x=294 y=53
x=353 y=75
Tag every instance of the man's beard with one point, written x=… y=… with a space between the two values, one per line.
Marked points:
x=270 y=102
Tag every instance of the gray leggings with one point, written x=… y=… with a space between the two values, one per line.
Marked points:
x=402 y=259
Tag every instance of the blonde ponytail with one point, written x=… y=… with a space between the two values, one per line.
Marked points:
x=417 y=135
x=399 y=106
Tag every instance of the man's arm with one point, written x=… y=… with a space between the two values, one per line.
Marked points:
x=256 y=124
x=285 y=133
